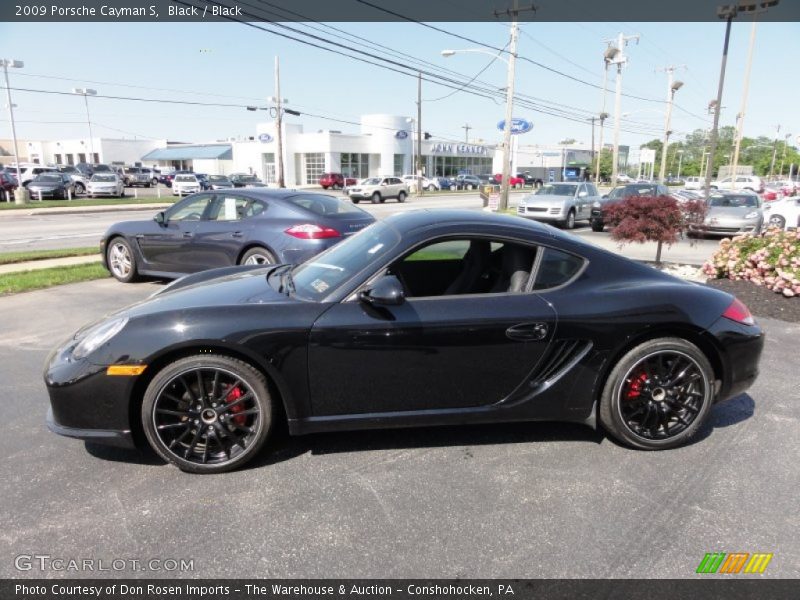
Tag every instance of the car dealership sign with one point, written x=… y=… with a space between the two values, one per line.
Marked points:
x=265 y=138
x=518 y=125
x=441 y=148
x=401 y=135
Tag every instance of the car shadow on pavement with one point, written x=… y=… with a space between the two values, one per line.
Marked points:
x=131 y=456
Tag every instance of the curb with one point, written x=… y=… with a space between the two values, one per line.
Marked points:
x=68 y=210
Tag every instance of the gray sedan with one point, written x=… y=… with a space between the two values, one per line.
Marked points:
x=562 y=203
x=731 y=213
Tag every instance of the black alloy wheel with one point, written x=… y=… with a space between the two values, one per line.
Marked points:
x=659 y=394
x=121 y=260
x=208 y=413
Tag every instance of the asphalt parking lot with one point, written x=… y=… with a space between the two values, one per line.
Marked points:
x=522 y=500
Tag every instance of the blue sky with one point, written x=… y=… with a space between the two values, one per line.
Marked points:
x=233 y=63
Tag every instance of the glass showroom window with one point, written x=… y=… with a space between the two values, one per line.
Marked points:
x=314 y=166
x=355 y=165
x=57 y=158
x=399 y=159
x=268 y=159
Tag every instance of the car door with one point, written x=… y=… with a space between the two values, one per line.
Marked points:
x=434 y=353
x=168 y=247
x=220 y=237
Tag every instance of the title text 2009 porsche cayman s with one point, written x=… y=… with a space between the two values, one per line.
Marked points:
x=425 y=318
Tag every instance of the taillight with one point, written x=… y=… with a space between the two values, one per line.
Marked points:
x=738 y=312
x=309 y=231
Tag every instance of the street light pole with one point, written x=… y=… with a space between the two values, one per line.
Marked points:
x=618 y=57
x=20 y=194
x=783 y=158
x=672 y=87
x=86 y=92
x=279 y=125
x=603 y=117
x=503 y=204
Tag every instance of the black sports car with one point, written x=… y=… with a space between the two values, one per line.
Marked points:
x=230 y=227
x=425 y=318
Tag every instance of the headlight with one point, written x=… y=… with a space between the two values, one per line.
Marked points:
x=751 y=215
x=596 y=204
x=97 y=336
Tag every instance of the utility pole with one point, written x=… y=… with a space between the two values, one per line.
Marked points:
x=593 y=119
x=672 y=87
x=620 y=59
x=603 y=115
x=279 y=124
x=467 y=127
x=20 y=193
x=783 y=158
x=514 y=14
x=774 y=151
x=421 y=188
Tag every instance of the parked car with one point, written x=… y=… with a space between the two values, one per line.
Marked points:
x=243 y=179
x=469 y=182
x=205 y=184
x=783 y=214
x=137 y=176
x=694 y=183
x=152 y=174
x=30 y=172
x=743 y=182
x=564 y=203
x=424 y=318
x=105 y=184
x=786 y=187
x=618 y=194
x=622 y=178
x=8 y=183
x=770 y=193
x=335 y=181
x=731 y=213
x=186 y=183
x=219 y=182
x=55 y=185
x=208 y=230
x=86 y=169
x=527 y=179
x=445 y=183
x=378 y=189
x=79 y=178
x=514 y=181
x=425 y=183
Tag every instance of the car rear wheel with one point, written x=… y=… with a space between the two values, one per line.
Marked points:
x=376 y=198
x=208 y=413
x=777 y=221
x=121 y=261
x=401 y=197
x=658 y=395
x=258 y=256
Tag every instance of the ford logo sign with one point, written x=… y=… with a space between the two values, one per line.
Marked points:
x=518 y=126
x=401 y=135
x=265 y=138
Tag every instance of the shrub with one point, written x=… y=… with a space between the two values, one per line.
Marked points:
x=771 y=261
x=660 y=219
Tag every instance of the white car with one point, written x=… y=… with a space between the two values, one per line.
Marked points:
x=29 y=172
x=105 y=184
x=743 y=182
x=430 y=185
x=378 y=189
x=694 y=183
x=784 y=214
x=184 y=184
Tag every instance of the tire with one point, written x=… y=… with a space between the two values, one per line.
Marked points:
x=147 y=185
x=376 y=198
x=258 y=256
x=777 y=221
x=79 y=188
x=685 y=394
x=201 y=431
x=121 y=260
x=355 y=200
x=598 y=226
x=431 y=188
x=569 y=223
x=401 y=197
x=154 y=182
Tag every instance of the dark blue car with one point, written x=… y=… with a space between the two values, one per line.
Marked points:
x=230 y=227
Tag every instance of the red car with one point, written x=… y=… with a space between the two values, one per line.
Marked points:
x=769 y=194
x=335 y=181
x=513 y=181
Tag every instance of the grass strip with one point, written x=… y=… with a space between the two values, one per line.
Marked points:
x=25 y=281
x=10 y=258
x=79 y=202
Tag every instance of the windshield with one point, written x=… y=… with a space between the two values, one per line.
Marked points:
x=633 y=190
x=247 y=178
x=104 y=178
x=180 y=178
x=371 y=181
x=104 y=168
x=326 y=272
x=218 y=178
x=557 y=189
x=734 y=201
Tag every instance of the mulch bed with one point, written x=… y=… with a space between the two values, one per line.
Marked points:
x=760 y=301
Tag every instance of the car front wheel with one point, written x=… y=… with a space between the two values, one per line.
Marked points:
x=777 y=221
x=570 y=221
x=121 y=261
x=207 y=413
x=376 y=198
x=658 y=395
x=80 y=188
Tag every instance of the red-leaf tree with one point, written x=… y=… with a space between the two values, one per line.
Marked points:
x=660 y=219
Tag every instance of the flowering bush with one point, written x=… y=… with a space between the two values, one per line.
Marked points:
x=652 y=219
x=771 y=260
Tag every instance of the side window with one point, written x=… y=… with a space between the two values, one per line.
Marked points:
x=592 y=190
x=556 y=268
x=191 y=209
x=231 y=208
x=465 y=266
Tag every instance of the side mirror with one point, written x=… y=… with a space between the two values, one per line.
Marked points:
x=387 y=291
x=160 y=218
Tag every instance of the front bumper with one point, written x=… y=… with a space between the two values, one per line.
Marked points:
x=102 y=191
x=726 y=228
x=541 y=213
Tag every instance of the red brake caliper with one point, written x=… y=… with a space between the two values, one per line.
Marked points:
x=635 y=387
x=232 y=396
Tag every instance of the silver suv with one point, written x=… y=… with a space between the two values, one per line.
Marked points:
x=563 y=203
x=378 y=189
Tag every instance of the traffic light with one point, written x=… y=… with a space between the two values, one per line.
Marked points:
x=427 y=135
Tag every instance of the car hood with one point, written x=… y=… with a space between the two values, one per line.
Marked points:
x=729 y=212
x=545 y=199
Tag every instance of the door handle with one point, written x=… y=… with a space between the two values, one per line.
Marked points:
x=527 y=332
x=237 y=234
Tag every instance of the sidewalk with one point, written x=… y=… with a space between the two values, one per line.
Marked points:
x=35 y=265
x=32 y=209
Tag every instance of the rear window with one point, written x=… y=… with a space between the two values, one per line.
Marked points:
x=556 y=268
x=325 y=206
